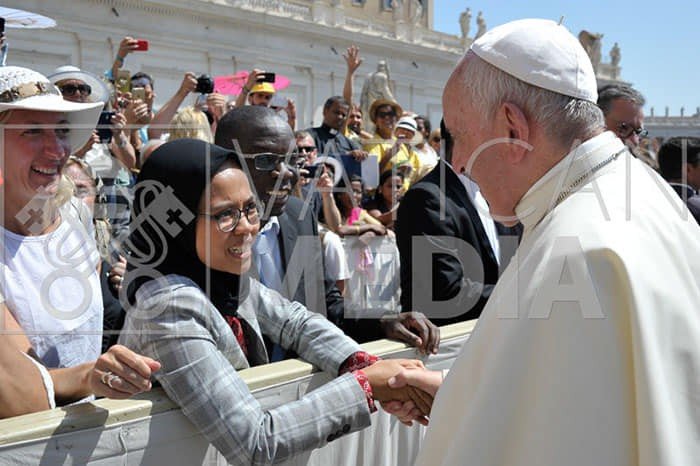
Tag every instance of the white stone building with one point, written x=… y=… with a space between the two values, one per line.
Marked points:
x=301 y=39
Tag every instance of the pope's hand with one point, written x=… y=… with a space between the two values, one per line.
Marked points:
x=424 y=380
x=379 y=374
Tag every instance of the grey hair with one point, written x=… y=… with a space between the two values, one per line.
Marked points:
x=302 y=134
x=607 y=94
x=564 y=119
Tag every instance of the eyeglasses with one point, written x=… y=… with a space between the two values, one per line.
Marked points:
x=227 y=220
x=268 y=161
x=625 y=130
x=72 y=89
x=386 y=114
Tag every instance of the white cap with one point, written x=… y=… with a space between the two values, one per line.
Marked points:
x=408 y=123
x=25 y=89
x=542 y=53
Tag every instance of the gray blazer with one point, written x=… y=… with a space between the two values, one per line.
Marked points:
x=176 y=324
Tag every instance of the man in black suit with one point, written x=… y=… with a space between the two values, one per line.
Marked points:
x=287 y=251
x=437 y=214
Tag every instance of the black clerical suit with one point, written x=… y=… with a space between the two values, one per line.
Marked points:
x=419 y=215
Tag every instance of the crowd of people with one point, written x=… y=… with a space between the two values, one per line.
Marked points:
x=182 y=244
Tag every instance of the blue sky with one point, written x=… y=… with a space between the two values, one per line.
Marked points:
x=659 y=41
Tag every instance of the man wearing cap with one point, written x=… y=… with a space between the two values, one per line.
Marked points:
x=588 y=350
x=48 y=271
x=262 y=93
x=679 y=164
x=329 y=137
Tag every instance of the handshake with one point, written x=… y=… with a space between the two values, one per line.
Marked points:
x=404 y=387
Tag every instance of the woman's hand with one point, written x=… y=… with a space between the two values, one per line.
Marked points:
x=120 y=373
x=116 y=273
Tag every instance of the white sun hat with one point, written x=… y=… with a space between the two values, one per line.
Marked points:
x=25 y=89
x=100 y=91
x=540 y=52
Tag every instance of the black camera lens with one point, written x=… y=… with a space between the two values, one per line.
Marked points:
x=205 y=85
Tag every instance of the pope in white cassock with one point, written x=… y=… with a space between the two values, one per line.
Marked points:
x=588 y=351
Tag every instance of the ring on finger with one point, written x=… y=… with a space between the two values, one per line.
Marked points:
x=104 y=377
x=110 y=379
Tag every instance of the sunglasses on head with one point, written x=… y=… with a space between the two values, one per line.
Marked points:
x=268 y=161
x=72 y=89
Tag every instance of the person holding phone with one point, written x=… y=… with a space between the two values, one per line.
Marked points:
x=80 y=86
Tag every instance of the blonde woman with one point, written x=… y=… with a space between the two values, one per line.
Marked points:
x=190 y=123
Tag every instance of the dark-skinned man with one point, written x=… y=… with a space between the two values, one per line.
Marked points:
x=286 y=241
x=329 y=137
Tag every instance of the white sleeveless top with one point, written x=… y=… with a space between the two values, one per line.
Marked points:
x=50 y=284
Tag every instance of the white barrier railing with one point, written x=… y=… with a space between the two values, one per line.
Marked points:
x=151 y=430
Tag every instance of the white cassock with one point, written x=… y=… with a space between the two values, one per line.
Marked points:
x=588 y=351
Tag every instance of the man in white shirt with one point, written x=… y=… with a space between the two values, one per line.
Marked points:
x=588 y=351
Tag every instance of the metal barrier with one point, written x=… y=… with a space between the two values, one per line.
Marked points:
x=151 y=429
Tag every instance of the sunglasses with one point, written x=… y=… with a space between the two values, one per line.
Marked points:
x=72 y=89
x=386 y=114
x=268 y=161
x=306 y=150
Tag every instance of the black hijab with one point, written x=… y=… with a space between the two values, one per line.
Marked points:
x=162 y=238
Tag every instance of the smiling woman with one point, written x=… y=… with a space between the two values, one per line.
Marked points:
x=199 y=313
x=49 y=285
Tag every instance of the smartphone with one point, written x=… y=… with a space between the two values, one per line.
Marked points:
x=2 y=25
x=311 y=169
x=201 y=102
x=138 y=93
x=267 y=78
x=141 y=45
x=123 y=81
x=104 y=126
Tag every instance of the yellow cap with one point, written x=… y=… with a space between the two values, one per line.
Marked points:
x=263 y=88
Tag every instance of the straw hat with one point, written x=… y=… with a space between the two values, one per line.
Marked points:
x=25 y=89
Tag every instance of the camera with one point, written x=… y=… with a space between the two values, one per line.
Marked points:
x=205 y=85
x=309 y=171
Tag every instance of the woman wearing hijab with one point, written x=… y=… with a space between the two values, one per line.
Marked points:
x=197 y=312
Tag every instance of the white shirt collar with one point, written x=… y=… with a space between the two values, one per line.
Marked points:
x=542 y=196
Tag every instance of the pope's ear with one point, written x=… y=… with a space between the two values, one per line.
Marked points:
x=517 y=127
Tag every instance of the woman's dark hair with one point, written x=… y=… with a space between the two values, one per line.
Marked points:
x=342 y=188
x=377 y=201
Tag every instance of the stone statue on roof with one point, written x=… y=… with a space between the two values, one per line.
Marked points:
x=592 y=44
x=615 y=55
x=481 y=26
x=465 y=19
x=377 y=85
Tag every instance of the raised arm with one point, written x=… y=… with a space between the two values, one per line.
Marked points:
x=166 y=113
x=353 y=60
x=126 y=46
